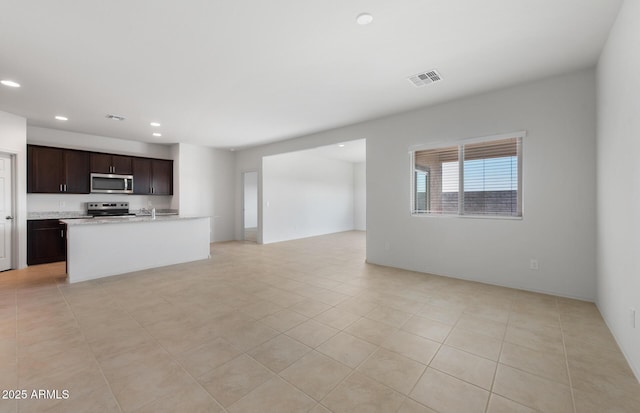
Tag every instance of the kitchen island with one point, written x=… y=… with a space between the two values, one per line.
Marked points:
x=100 y=247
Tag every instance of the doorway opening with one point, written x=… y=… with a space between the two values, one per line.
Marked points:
x=250 y=206
x=313 y=192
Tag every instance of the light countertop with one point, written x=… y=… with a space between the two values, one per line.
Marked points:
x=126 y=219
x=57 y=215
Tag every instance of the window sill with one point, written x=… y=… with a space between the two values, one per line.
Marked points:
x=497 y=217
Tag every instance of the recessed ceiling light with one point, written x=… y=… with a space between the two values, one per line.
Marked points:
x=364 y=18
x=157 y=134
x=62 y=118
x=341 y=145
x=10 y=83
x=154 y=124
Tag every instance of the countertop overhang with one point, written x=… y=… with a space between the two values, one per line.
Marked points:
x=125 y=219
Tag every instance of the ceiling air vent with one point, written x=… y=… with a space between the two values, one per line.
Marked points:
x=425 y=78
x=115 y=117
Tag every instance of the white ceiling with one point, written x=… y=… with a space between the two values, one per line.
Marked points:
x=350 y=151
x=234 y=73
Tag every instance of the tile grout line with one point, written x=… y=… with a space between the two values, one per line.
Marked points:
x=504 y=336
x=95 y=359
x=312 y=349
x=136 y=321
x=168 y=352
x=427 y=365
x=355 y=369
x=490 y=391
x=566 y=357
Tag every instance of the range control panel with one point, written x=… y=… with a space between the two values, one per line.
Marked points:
x=107 y=208
x=107 y=205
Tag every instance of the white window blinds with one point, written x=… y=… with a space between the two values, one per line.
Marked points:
x=488 y=183
x=441 y=165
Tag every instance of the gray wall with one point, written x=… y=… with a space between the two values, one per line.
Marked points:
x=619 y=181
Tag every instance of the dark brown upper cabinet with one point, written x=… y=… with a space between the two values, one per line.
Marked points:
x=56 y=170
x=152 y=176
x=59 y=170
x=111 y=164
x=161 y=177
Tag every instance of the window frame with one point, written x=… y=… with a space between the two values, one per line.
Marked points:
x=520 y=135
x=427 y=173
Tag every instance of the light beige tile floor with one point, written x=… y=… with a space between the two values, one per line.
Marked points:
x=302 y=326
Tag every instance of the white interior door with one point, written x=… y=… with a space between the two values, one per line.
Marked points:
x=6 y=212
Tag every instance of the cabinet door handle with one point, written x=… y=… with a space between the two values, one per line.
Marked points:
x=61 y=190
x=61 y=233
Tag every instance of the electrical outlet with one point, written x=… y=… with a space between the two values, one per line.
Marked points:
x=633 y=317
x=387 y=245
x=533 y=264
x=62 y=204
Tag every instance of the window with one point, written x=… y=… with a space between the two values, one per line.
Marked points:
x=487 y=182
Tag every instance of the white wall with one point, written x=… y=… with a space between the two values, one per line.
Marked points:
x=175 y=155
x=205 y=187
x=13 y=140
x=224 y=202
x=360 y=196
x=619 y=181
x=305 y=195
x=195 y=173
x=250 y=197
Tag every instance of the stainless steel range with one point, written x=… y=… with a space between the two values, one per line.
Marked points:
x=108 y=209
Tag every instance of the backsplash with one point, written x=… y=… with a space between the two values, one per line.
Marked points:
x=77 y=202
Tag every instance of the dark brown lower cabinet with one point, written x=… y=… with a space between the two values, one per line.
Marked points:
x=46 y=241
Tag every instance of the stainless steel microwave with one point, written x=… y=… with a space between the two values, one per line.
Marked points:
x=111 y=184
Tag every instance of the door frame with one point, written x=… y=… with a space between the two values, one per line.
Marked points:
x=242 y=197
x=13 y=240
